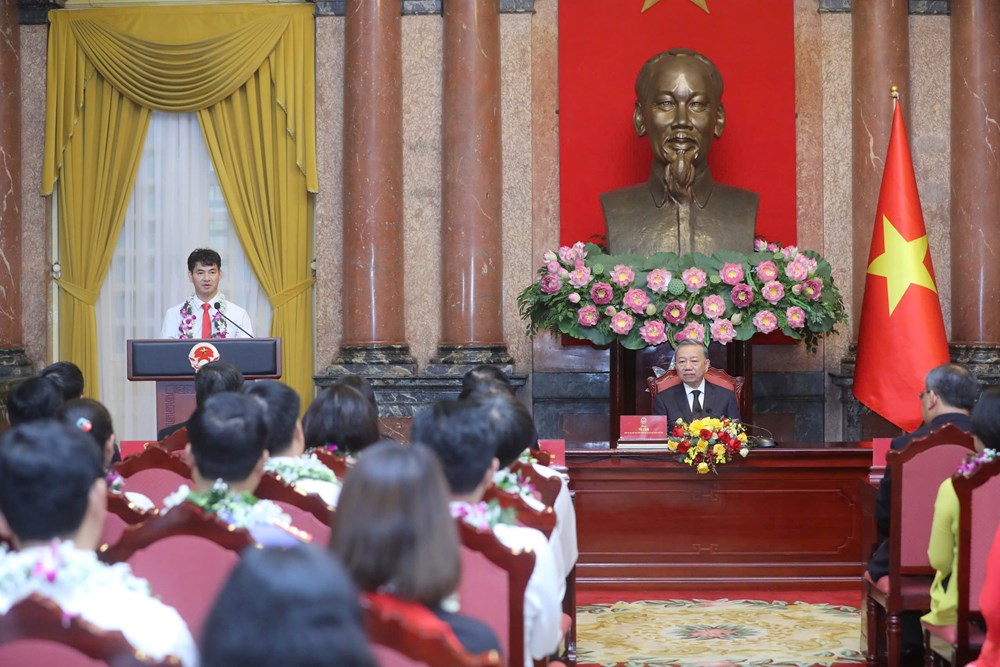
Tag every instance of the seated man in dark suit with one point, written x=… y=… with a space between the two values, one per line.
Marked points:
x=694 y=398
x=949 y=395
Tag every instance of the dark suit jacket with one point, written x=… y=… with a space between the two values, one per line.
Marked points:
x=878 y=566
x=717 y=402
x=164 y=432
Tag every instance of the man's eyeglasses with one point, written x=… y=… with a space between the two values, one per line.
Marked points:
x=924 y=393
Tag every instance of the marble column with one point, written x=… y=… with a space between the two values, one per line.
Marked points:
x=880 y=52
x=13 y=363
x=471 y=188
x=975 y=171
x=374 y=339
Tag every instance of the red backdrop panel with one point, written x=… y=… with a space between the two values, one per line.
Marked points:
x=602 y=45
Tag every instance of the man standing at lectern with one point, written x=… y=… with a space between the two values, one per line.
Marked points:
x=206 y=313
x=694 y=398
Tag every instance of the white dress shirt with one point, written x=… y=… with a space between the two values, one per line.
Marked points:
x=109 y=596
x=690 y=396
x=172 y=318
x=563 y=537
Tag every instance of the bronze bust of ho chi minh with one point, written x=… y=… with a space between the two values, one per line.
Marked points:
x=680 y=208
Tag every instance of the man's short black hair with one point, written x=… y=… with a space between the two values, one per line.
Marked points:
x=35 y=398
x=46 y=472
x=361 y=384
x=484 y=373
x=341 y=416
x=205 y=257
x=227 y=434
x=281 y=412
x=216 y=377
x=513 y=428
x=460 y=433
x=67 y=376
x=954 y=384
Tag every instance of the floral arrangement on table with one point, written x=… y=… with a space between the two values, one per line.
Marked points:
x=665 y=298
x=708 y=443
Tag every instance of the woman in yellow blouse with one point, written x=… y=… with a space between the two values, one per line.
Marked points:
x=943 y=548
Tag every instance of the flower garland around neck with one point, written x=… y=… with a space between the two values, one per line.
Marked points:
x=483 y=515
x=515 y=484
x=527 y=456
x=115 y=482
x=237 y=508
x=292 y=469
x=61 y=565
x=219 y=324
x=974 y=461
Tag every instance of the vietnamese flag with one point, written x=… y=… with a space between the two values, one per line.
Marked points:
x=902 y=335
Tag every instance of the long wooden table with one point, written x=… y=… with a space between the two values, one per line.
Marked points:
x=788 y=517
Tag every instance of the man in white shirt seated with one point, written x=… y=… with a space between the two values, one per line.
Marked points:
x=227 y=435
x=206 y=313
x=53 y=501
x=286 y=443
x=694 y=398
x=462 y=436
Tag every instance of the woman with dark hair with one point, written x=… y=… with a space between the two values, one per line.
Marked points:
x=341 y=417
x=291 y=607
x=396 y=535
x=942 y=551
x=92 y=418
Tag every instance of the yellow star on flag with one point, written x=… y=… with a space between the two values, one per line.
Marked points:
x=701 y=3
x=902 y=264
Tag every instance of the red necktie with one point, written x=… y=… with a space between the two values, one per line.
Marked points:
x=206 y=322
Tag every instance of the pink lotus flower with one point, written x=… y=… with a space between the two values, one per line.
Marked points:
x=675 y=312
x=694 y=279
x=797 y=289
x=714 y=306
x=574 y=297
x=696 y=309
x=742 y=295
x=550 y=284
x=588 y=316
x=765 y=321
x=552 y=267
x=622 y=322
x=637 y=300
x=658 y=280
x=796 y=317
x=580 y=276
x=610 y=311
x=759 y=245
x=692 y=331
x=722 y=331
x=813 y=288
x=569 y=254
x=773 y=247
x=653 y=332
x=601 y=293
x=772 y=291
x=622 y=275
x=549 y=256
x=789 y=252
x=767 y=271
x=731 y=273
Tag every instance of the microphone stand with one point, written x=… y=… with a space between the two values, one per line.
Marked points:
x=218 y=307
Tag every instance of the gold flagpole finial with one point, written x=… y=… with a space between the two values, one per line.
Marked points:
x=894 y=94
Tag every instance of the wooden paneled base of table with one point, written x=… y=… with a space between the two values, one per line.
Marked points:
x=789 y=517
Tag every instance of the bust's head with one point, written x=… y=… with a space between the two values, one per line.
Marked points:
x=679 y=108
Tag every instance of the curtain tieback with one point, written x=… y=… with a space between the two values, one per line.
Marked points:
x=289 y=293
x=87 y=296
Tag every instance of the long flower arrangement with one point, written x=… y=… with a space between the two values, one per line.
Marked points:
x=587 y=294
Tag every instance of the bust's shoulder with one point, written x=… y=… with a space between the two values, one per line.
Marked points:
x=637 y=192
x=732 y=194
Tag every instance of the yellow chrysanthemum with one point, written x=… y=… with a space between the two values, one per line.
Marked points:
x=703 y=446
x=672 y=445
x=719 y=450
x=702 y=468
x=742 y=437
x=695 y=426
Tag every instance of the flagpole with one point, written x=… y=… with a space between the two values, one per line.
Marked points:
x=894 y=94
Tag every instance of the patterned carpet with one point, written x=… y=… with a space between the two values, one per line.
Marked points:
x=717 y=633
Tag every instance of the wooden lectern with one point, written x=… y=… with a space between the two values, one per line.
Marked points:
x=167 y=362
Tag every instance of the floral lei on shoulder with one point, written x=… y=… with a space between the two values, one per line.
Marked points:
x=219 y=324
x=62 y=565
x=974 y=461
x=240 y=509
x=483 y=515
x=515 y=484
x=292 y=470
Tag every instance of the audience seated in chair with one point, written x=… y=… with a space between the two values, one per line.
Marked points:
x=33 y=399
x=228 y=436
x=989 y=605
x=213 y=378
x=286 y=443
x=52 y=500
x=289 y=607
x=462 y=436
x=341 y=420
x=942 y=550
x=395 y=535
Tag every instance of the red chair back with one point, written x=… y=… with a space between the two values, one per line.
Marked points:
x=404 y=634
x=978 y=500
x=544 y=520
x=186 y=556
x=307 y=510
x=338 y=464
x=492 y=573
x=121 y=514
x=547 y=487
x=36 y=633
x=176 y=441
x=154 y=473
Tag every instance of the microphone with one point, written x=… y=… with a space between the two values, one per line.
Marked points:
x=218 y=307
x=764 y=442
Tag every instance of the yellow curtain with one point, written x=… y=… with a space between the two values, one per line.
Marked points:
x=108 y=67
